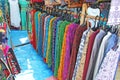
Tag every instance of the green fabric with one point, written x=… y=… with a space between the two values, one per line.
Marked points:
x=23 y=3
x=23 y=19
x=24 y=6
x=36 y=24
x=29 y=23
x=49 y=47
x=59 y=41
x=4 y=78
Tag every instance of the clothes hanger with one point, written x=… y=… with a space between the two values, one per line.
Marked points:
x=97 y=26
x=85 y=22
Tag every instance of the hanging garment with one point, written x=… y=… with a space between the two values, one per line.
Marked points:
x=40 y=33
x=63 y=50
x=29 y=21
x=45 y=40
x=33 y=40
x=117 y=77
x=75 y=47
x=90 y=0
x=46 y=36
x=33 y=1
x=109 y=65
x=101 y=53
x=111 y=43
x=24 y=6
x=43 y=33
x=88 y=54
x=114 y=18
x=36 y=26
x=81 y=46
x=14 y=11
x=83 y=57
x=54 y=42
x=57 y=56
x=49 y=47
x=69 y=42
x=94 y=54
x=61 y=31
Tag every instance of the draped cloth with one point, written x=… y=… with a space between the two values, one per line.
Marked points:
x=114 y=13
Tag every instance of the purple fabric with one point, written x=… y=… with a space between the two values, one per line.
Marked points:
x=69 y=43
x=53 y=42
x=114 y=14
x=90 y=0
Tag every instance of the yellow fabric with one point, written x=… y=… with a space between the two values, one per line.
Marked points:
x=1 y=30
x=82 y=61
x=49 y=38
x=118 y=72
x=63 y=51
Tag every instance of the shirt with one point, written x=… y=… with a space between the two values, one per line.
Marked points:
x=36 y=25
x=49 y=47
x=57 y=56
x=53 y=42
x=101 y=53
x=83 y=57
x=112 y=42
x=88 y=53
x=33 y=40
x=109 y=65
x=77 y=39
x=46 y=35
x=43 y=33
x=14 y=11
x=81 y=46
x=40 y=34
x=24 y=7
x=114 y=12
x=95 y=50
x=69 y=43
x=60 y=42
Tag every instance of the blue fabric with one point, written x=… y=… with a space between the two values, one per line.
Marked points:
x=36 y=23
x=3 y=4
x=46 y=36
x=56 y=45
x=36 y=26
x=40 y=35
x=111 y=43
x=53 y=42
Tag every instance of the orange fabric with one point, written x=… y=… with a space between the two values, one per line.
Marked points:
x=60 y=70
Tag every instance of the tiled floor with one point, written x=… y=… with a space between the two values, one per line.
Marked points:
x=31 y=64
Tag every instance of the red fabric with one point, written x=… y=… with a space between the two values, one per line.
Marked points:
x=6 y=72
x=33 y=40
x=5 y=50
x=75 y=47
x=89 y=50
x=45 y=60
x=36 y=1
x=4 y=26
